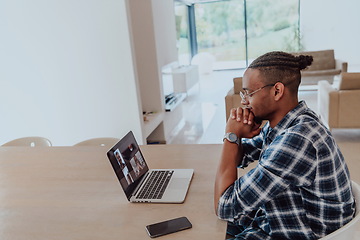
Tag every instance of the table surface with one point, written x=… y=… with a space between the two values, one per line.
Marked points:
x=73 y=193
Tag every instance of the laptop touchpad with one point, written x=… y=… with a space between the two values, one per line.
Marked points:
x=178 y=183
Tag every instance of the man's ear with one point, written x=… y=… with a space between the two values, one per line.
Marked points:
x=279 y=89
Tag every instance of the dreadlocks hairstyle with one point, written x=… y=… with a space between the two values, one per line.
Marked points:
x=282 y=67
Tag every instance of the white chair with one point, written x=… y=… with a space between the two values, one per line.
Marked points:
x=29 y=142
x=347 y=232
x=104 y=142
x=205 y=62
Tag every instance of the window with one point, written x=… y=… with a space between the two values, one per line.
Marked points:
x=272 y=25
x=220 y=30
x=235 y=32
x=182 y=33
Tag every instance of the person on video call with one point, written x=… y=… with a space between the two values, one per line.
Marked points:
x=300 y=188
x=120 y=160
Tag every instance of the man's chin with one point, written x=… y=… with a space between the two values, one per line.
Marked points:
x=257 y=119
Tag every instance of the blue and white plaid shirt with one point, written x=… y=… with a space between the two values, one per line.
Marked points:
x=300 y=188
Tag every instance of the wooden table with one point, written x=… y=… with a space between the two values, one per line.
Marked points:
x=72 y=193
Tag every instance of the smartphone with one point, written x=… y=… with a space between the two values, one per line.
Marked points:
x=169 y=226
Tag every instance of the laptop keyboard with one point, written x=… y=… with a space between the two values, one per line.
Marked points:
x=155 y=185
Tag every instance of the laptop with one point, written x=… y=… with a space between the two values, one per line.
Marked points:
x=141 y=184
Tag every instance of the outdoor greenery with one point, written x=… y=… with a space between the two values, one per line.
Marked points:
x=220 y=28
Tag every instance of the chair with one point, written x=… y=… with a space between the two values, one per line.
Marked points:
x=205 y=62
x=103 y=142
x=324 y=67
x=233 y=99
x=339 y=104
x=348 y=230
x=29 y=142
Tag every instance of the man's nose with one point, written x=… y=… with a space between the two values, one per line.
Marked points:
x=244 y=101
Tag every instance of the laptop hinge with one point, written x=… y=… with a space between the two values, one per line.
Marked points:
x=140 y=184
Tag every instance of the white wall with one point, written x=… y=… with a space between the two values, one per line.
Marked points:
x=144 y=46
x=332 y=24
x=154 y=45
x=165 y=31
x=66 y=70
x=154 y=32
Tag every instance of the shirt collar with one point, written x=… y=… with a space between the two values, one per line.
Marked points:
x=287 y=121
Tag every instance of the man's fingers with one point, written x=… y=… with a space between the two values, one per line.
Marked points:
x=242 y=114
x=233 y=113
x=239 y=114
x=248 y=116
x=251 y=118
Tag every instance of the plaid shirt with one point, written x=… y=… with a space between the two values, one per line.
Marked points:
x=300 y=188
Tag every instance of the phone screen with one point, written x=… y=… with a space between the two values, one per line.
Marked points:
x=169 y=226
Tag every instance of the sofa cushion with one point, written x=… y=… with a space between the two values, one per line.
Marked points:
x=349 y=81
x=324 y=59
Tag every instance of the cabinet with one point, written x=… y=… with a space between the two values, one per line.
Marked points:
x=185 y=77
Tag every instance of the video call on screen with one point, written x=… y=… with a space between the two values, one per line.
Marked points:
x=130 y=164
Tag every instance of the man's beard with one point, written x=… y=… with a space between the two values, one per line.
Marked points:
x=258 y=120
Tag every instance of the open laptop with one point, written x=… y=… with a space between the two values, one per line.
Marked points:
x=141 y=184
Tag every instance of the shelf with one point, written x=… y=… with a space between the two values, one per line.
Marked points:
x=175 y=101
x=152 y=121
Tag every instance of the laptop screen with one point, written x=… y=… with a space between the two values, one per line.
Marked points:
x=128 y=163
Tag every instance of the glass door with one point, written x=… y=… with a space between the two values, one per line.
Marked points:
x=220 y=31
x=272 y=26
x=235 y=32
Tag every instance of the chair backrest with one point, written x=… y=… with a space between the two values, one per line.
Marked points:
x=348 y=231
x=29 y=142
x=323 y=59
x=104 y=142
x=237 y=84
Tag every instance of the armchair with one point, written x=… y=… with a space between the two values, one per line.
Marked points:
x=233 y=99
x=339 y=106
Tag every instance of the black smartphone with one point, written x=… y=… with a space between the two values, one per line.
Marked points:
x=169 y=226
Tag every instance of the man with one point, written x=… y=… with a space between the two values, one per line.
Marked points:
x=300 y=188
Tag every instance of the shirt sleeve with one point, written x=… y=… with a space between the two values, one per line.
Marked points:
x=252 y=149
x=289 y=159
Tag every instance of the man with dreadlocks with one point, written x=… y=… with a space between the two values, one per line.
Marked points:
x=300 y=188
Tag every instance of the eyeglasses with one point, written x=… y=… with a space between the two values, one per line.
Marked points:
x=244 y=95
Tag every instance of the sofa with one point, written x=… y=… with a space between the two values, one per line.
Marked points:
x=233 y=99
x=339 y=103
x=324 y=67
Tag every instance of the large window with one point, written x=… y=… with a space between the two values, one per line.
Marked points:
x=272 y=25
x=237 y=31
x=220 y=30
x=183 y=34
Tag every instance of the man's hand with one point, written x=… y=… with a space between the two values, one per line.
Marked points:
x=242 y=123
